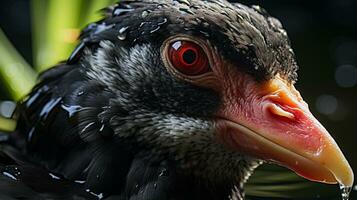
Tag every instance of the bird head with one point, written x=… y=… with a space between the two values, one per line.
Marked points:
x=209 y=85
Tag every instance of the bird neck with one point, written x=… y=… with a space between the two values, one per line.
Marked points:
x=196 y=152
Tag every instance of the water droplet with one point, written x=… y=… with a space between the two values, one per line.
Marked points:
x=54 y=176
x=72 y=110
x=163 y=172
x=158 y=26
x=164 y=21
x=80 y=93
x=79 y=181
x=122 y=33
x=121 y=11
x=9 y=175
x=345 y=191
x=256 y=7
x=144 y=14
x=260 y=10
x=11 y=172
x=17 y=172
x=142 y=24
x=99 y=196
x=155 y=29
x=123 y=29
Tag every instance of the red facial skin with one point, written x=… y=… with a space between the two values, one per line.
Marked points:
x=284 y=118
x=269 y=120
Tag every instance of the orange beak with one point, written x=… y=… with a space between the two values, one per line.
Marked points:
x=272 y=122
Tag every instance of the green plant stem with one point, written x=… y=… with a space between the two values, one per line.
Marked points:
x=56 y=25
x=39 y=19
x=7 y=125
x=16 y=75
x=93 y=12
x=61 y=31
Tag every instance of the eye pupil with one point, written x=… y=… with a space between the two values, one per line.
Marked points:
x=189 y=56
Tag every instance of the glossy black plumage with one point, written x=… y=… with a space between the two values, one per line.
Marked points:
x=90 y=121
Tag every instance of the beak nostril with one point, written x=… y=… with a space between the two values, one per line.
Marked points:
x=277 y=110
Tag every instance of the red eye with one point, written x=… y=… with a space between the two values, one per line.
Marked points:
x=188 y=58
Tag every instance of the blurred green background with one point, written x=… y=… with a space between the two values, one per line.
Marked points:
x=36 y=34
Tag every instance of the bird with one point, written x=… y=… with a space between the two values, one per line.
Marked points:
x=167 y=99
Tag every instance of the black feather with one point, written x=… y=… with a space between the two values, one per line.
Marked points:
x=106 y=123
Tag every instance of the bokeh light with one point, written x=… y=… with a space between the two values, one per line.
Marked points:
x=326 y=104
x=346 y=75
x=7 y=108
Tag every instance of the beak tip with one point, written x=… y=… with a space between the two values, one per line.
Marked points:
x=337 y=163
x=348 y=179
